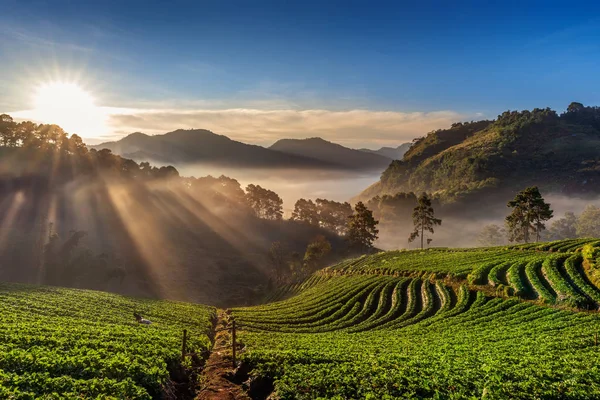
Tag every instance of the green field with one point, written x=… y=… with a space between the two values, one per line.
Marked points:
x=69 y=343
x=511 y=322
x=495 y=323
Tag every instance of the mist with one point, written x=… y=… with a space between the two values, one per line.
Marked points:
x=460 y=229
x=293 y=184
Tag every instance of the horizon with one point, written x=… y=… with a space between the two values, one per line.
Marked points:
x=359 y=76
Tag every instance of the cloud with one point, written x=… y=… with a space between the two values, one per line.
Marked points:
x=354 y=128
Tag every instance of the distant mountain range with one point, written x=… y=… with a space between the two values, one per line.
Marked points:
x=394 y=153
x=325 y=151
x=199 y=146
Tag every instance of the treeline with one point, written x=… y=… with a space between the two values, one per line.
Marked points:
x=569 y=226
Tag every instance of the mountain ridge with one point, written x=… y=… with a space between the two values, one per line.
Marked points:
x=189 y=146
x=394 y=153
x=559 y=153
x=325 y=150
x=186 y=146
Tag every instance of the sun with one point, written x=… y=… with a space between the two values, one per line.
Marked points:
x=62 y=96
x=67 y=104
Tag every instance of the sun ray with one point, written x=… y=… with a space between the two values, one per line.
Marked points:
x=67 y=104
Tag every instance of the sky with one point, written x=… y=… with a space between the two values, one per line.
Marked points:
x=360 y=73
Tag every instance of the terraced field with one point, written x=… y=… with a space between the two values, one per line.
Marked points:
x=67 y=343
x=515 y=322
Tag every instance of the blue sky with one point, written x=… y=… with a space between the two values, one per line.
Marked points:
x=402 y=65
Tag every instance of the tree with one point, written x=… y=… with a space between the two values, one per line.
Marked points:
x=491 y=235
x=264 y=202
x=277 y=258
x=316 y=251
x=564 y=228
x=362 y=228
x=575 y=107
x=306 y=211
x=333 y=215
x=528 y=215
x=7 y=130
x=588 y=223
x=423 y=218
x=296 y=266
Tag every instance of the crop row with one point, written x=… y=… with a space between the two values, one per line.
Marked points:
x=495 y=348
x=87 y=344
x=356 y=304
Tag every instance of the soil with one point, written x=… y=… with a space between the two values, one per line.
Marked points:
x=214 y=382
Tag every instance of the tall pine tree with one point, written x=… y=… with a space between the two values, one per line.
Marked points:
x=423 y=218
x=529 y=213
x=362 y=228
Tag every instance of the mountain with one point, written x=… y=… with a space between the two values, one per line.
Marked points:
x=558 y=153
x=203 y=146
x=325 y=151
x=394 y=153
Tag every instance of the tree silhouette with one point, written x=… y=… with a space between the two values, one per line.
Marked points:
x=588 y=223
x=316 y=251
x=277 y=258
x=423 y=218
x=491 y=235
x=264 y=202
x=333 y=215
x=306 y=211
x=529 y=213
x=564 y=228
x=362 y=228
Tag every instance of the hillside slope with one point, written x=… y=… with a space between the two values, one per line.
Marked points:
x=461 y=324
x=326 y=151
x=539 y=147
x=69 y=343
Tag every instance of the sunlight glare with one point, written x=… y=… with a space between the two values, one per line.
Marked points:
x=69 y=106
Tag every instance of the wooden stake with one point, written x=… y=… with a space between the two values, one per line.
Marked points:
x=184 y=345
x=233 y=341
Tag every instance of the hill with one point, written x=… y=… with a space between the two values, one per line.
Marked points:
x=69 y=343
x=558 y=153
x=326 y=151
x=394 y=153
x=199 y=146
x=441 y=323
x=203 y=146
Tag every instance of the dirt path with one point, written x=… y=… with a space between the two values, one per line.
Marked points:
x=214 y=384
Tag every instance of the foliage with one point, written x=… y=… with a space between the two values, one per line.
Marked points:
x=362 y=228
x=388 y=326
x=558 y=152
x=423 y=219
x=588 y=223
x=316 y=251
x=564 y=228
x=491 y=235
x=83 y=344
x=278 y=259
x=333 y=215
x=264 y=202
x=306 y=211
x=327 y=214
x=528 y=215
